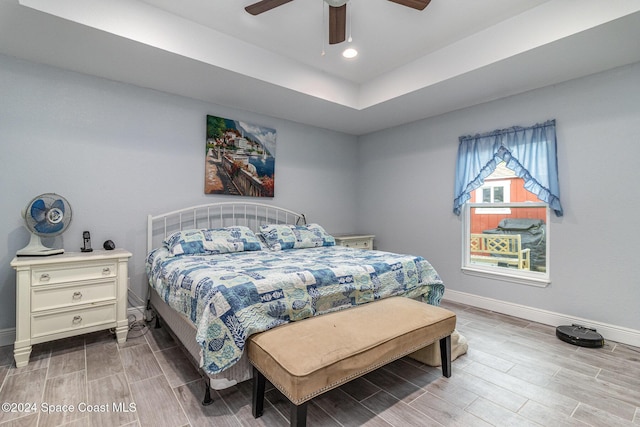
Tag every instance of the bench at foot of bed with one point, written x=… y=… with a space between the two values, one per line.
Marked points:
x=307 y=358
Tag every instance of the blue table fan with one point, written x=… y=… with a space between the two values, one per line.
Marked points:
x=47 y=215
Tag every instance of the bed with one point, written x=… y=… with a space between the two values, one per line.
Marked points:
x=221 y=272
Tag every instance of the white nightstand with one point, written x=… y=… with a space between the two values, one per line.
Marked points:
x=70 y=294
x=357 y=241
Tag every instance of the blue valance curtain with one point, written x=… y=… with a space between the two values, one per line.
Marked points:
x=530 y=152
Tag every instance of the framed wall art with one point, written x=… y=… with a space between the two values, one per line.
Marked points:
x=239 y=158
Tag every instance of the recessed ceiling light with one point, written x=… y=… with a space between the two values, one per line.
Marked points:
x=350 y=53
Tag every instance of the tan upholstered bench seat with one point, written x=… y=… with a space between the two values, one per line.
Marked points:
x=306 y=358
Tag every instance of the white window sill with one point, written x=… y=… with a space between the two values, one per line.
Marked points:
x=530 y=278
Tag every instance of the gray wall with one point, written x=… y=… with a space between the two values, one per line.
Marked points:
x=119 y=152
x=406 y=188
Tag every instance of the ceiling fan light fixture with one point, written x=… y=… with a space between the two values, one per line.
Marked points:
x=350 y=53
x=336 y=3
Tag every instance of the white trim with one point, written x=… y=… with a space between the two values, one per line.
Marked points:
x=534 y=278
x=137 y=312
x=609 y=332
x=8 y=336
x=531 y=278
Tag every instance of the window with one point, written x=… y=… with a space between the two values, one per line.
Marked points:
x=506 y=188
x=506 y=237
x=493 y=192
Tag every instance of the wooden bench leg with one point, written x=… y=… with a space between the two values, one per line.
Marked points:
x=298 y=415
x=298 y=412
x=445 y=356
x=257 y=404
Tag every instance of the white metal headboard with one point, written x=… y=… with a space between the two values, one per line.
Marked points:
x=215 y=215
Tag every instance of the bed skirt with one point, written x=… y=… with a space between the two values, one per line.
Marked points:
x=185 y=331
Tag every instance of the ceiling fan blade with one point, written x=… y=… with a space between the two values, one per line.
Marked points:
x=337 y=24
x=416 y=4
x=264 y=6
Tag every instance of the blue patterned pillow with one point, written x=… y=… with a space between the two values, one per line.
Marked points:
x=285 y=236
x=212 y=241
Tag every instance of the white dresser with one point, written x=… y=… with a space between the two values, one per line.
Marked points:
x=357 y=241
x=70 y=294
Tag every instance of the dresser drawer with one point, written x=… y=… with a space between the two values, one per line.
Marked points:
x=69 y=320
x=47 y=275
x=59 y=296
x=355 y=241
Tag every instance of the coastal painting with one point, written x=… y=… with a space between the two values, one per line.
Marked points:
x=239 y=158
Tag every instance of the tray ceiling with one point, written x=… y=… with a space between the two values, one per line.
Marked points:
x=411 y=64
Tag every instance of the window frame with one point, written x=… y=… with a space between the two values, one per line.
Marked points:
x=532 y=278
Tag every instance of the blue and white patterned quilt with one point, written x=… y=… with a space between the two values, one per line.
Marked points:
x=230 y=296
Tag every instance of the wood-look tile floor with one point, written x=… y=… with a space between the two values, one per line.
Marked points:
x=515 y=373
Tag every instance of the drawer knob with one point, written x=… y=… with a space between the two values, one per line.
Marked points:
x=366 y=243
x=106 y=271
x=77 y=319
x=77 y=295
x=44 y=277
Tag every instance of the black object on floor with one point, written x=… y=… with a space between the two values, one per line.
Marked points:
x=580 y=335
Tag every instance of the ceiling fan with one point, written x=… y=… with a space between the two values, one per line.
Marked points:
x=337 y=13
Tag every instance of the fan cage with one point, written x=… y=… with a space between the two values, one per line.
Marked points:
x=53 y=220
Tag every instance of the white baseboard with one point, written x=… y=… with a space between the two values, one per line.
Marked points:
x=137 y=312
x=609 y=332
x=8 y=336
